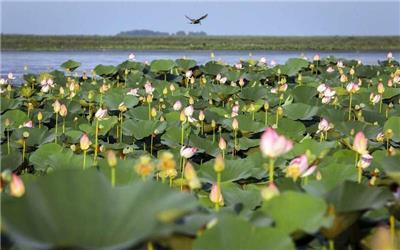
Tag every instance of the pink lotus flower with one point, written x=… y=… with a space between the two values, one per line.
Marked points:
x=189 y=74
x=330 y=70
x=133 y=92
x=340 y=64
x=223 y=80
x=46 y=85
x=322 y=87
x=148 y=88
x=360 y=143
x=188 y=111
x=187 y=152
x=238 y=66
x=85 y=142
x=10 y=76
x=381 y=88
x=317 y=57
x=216 y=195
x=374 y=99
x=273 y=145
x=177 y=105
x=263 y=60
x=352 y=87
x=269 y=191
x=222 y=143
x=323 y=126
x=298 y=167
x=365 y=160
x=2 y=81
x=329 y=92
x=101 y=114
x=28 y=124
x=131 y=57
x=17 y=187
x=273 y=63
x=390 y=56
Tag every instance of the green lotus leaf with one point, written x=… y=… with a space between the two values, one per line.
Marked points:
x=291 y=129
x=84 y=211
x=307 y=213
x=71 y=65
x=7 y=104
x=129 y=65
x=235 y=233
x=300 y=111
x=304 y=94
x=114 y=97
x=105 y=70
x=212 y=68
x=185 y=64
x=351 y=197
x=162 y=65
x=319 y=149
x=253 y=93
x=142 y=129
x=294 y=65
x=37 y=136
x=248 y=198
x=10 y=161
x=204 y=144
x=16 y=117
x=393 y=123
x=124 y=171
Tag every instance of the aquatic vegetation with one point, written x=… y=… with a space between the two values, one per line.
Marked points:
x=173 y=154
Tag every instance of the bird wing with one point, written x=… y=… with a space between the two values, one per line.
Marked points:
x=203 y=17
x=191 y=19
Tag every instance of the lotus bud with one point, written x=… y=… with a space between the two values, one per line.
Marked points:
x=85 y=142
x=352 y=71
x=63 y=110
x=267 y=193
x=192 y=80
x=273 y=145
x=389 y=133
x=6 y=175
x=210 y=101
x=7 y=122
x=172 y=87
x=381 y=88
x=201 y=115
x=72 y=147
x=182 y=117
x=241 y=82
x=177 y=105
x=318 y=176
x=191 y=100
x=91 y=95
x=149 y=99
x=17 y=188
x=222 y=144
x=360 y=143
x=56 y=106
x=235 y=124
x=104 y=88
x=191 y=176
x=187 y=152
x=343 y=78
x=216 y=195
x=62 y=92
x=203 y=80
x=219 y=164
x=30 y=106
x=122 y=107
x=153 y=112
x=111 y=159
x=390 y=83
x=162 y=118
x=279 y=110
x=213 y=124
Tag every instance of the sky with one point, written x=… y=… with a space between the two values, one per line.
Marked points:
x=271 y=18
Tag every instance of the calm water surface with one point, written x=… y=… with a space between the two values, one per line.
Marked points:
x=14 y=61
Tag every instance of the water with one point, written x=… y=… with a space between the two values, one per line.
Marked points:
x=14 y=61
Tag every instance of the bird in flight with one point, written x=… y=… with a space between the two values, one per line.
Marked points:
x=196 y=21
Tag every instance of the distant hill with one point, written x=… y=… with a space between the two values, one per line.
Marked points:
x=144 y=32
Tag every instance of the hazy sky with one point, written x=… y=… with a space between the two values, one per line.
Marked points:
x=225 y=18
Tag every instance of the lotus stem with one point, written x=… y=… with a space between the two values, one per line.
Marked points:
x=182 y=171
x=213 y=135
x=350 y=100
x=151 y=143
x=392 y=222
x=266 y=119
x=8 y=141
x=277 y=118
x=331 y=244
x=182 y=133
x=359 y=174
x=113 y=176
x=96 y=140
x=170 y=181
x=55 y=139
x=380 y=104
x=252 y=115
x=202 y=127
x=149 y=110
x=219 y=188
x=271 y=170
x=121 y=120
x=40 y=124
x=23 y=149
x=84 y=159
x=235 y=141
x=387 y=146
x=63 y=126
x=149 y=246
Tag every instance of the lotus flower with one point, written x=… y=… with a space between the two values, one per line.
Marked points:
x=189 y=74
x=273 y=145
x=390 y=56
x=85 y=142
x=166 y=161
x=201 y=115
x=238 y=66
x=28 y=124
x=352 y=87
x=63 y=110
x=216 y=195
x=148 y=88
x=317 y=57
x=365 y=161
x=222 y=143
x=322 y=87
x=10 y=76
x=297 y=167
x=323 y=126
x=269 y=192
x=2 y=81
x=133 y=92
x=235 y=124
x=381 y=88
x=101 y=114
x=131 y=57
x=187 y=152
x=188 y=111
x=223 y=80
x=56 y=106
x=273 y=63
x=177 y=105
x=360 y=143
x=17 y=188
x=330 y=69
x=263 y=60
x=46 y=85
x=144 y=167
x=340 y=64
x=374 y=99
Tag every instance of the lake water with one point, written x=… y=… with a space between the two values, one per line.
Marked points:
x=14 y=61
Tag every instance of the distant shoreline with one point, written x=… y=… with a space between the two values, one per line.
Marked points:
x=201 y=43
